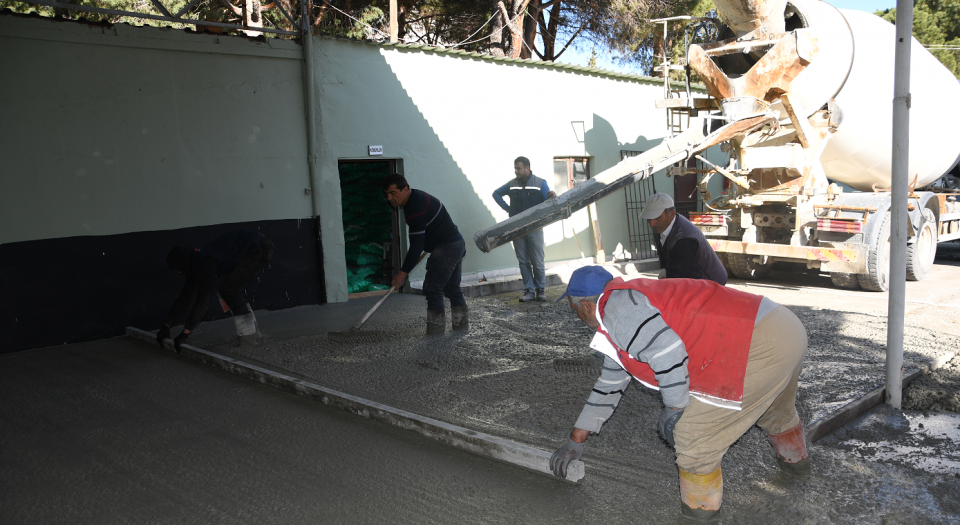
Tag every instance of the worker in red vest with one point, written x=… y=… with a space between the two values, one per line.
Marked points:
x=723 y=360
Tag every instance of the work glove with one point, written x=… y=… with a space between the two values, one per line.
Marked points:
x=564 y=455
x=179 y=341
x=668 y=421
x=164 y=333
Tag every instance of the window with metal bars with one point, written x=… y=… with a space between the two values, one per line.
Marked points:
x=639 y=232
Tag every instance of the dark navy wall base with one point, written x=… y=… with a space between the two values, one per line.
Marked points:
x=58 y=291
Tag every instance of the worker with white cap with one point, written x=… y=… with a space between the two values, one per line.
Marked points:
x=722 y=360
x=683 y=250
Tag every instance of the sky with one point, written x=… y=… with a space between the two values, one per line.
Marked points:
x=581 y=56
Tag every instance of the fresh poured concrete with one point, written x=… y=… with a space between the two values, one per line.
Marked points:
x=115 y=431
x=498 y=379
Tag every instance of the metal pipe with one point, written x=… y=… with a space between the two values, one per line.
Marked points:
x=628 y=171
x=686 y=61
x=898 y=205
x=306 y=36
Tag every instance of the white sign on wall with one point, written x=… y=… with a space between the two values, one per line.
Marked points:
x=375 y=150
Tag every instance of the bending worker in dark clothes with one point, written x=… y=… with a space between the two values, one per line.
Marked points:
x=683 y=250
x=431 y=230
x=228 y=263
x=723 y=360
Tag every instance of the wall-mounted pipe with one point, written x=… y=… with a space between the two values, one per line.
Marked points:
x=313 y=160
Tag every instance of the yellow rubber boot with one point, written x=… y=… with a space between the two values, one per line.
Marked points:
x=701 y=494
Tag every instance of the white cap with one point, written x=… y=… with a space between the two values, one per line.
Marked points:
x=655 y=205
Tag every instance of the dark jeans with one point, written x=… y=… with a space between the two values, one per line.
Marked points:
x=443 y=275
x=231 y=286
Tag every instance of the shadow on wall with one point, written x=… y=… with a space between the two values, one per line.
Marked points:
x=370 y=98
x=602 y=143
x=83 y=288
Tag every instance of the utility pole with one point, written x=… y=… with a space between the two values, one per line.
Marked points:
x=898 y=204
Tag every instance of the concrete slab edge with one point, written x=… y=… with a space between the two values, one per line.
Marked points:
x=857 y=408
x=462 y=438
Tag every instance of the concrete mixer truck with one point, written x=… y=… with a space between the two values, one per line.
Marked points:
x=800 y=96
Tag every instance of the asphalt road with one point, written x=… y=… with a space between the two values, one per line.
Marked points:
x=932 y=303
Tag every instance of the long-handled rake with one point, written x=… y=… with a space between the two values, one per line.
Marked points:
x=354 y=335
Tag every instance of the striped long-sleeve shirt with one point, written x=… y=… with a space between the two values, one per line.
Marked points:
x=637 y=327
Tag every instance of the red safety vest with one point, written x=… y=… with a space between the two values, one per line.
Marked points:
x=715 y=324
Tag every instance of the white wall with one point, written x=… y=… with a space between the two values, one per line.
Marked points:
x=458 y=122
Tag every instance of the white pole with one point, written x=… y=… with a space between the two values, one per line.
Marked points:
x=898 y=204
x=393 y=21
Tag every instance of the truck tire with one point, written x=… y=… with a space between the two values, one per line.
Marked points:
x=877 y=278
x=923 y=251
x=726 y=264
x=847 y=281
x=744 y=267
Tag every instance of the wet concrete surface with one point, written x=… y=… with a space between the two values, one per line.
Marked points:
x=117 y=431
x=929 y=441
x=500 y=379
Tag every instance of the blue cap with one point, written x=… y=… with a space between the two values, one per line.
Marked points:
x=587 y=282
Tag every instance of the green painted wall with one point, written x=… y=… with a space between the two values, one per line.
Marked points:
x=123 y=129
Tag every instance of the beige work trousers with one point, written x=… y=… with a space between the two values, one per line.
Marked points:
x=705 y=432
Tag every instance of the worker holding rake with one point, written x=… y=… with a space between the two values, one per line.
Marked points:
x=723 y=360
x=431 y=230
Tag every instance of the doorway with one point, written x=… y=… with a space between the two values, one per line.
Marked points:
x=370 y=226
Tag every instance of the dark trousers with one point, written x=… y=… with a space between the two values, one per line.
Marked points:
x=231 y=286
x=443 y=275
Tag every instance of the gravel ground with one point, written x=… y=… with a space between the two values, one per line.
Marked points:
x=937 y=391
x=500 y=379
x=487 y=374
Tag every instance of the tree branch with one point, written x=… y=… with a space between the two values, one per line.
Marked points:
x=506 y=18
x=236 y=10
x=570 y=41
x=534 y=48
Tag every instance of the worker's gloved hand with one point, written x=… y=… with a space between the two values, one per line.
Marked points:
x=668 y=421
x=179 y=341
x=164 y=333
x=564 y=455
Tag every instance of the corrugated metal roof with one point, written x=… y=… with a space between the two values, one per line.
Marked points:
x=557 y=66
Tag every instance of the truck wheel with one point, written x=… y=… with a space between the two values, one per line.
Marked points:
x=726 y=264
x=848 y=281
x=921 y=253
x=744 y=267
x=877 y=278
